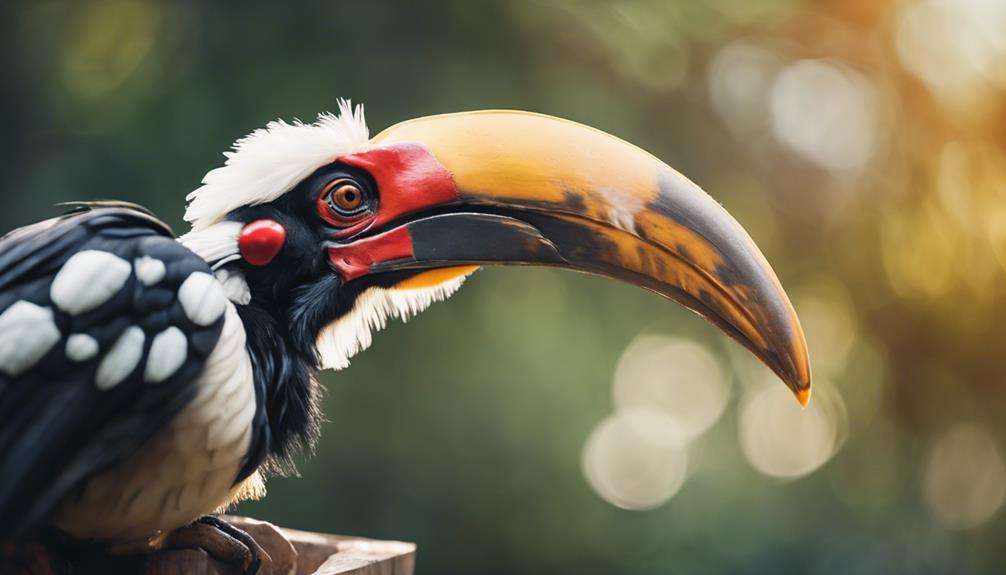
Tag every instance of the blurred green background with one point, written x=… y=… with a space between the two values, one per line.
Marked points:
x=542 y=422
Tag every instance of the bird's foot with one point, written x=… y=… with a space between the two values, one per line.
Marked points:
x=222 y=541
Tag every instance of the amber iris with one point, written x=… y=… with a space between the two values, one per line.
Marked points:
x=344 y=197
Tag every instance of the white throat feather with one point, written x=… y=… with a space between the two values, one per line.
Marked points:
x=353 y=332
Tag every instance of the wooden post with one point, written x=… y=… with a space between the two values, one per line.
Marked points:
x=289 y=550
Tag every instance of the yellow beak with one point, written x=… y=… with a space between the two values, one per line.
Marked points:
x=579 y=198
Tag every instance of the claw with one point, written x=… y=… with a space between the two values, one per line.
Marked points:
x=222 y=541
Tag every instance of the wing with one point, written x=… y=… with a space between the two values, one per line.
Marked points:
x=105 y=323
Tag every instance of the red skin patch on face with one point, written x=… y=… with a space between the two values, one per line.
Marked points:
x=409 y=179
x=260 y=241
x=354 y=260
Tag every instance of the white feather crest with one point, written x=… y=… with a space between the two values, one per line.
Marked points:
x=270 y=161
x=353 y=332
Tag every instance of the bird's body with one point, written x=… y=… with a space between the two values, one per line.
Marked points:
x=137 y=332
x=185 y=470
x=146 y=380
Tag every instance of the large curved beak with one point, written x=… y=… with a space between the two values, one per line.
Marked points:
x=533 y=189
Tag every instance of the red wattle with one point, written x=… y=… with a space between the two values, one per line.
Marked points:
x=260 y=241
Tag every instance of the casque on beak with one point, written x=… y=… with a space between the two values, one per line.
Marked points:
x=527 y=189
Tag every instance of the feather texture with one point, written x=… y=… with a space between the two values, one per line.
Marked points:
x=270 y=161
x=83 y=406
x=217 y=243
x=353 y=332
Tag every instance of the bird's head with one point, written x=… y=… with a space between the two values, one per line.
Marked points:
x=337 y=231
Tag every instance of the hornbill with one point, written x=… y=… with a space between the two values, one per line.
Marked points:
x=147 y=380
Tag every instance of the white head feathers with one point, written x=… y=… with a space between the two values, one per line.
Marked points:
x=270 y=161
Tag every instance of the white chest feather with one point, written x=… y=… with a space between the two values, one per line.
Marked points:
x=189 y=468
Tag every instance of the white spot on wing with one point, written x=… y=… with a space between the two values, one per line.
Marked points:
x=81 y=347
x=149 y=270
x=121 y=359
x=87 y=280
x=167 y=353
x=235 y=286
x=27 y=332
x=202 y=297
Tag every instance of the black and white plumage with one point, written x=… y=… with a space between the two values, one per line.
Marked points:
x=106 y=323
x=147 y=380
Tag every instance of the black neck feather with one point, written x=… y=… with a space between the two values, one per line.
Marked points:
x=288 y=414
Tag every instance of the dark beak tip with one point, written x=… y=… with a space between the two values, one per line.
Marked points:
x=795 y=373
x=788 y=358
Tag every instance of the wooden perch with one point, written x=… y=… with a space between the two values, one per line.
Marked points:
x=289 y=550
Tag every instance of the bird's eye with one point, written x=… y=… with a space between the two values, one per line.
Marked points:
x=343 y=200
x=346 y=197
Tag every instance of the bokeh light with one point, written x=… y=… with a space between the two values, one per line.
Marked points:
x=921 y=252
x=107 y=45
x=629 y=470
x=826 y=113
x=740 y=79
x=965 y=477
x=957 y=47
x=678 y=377
x=782 y=440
